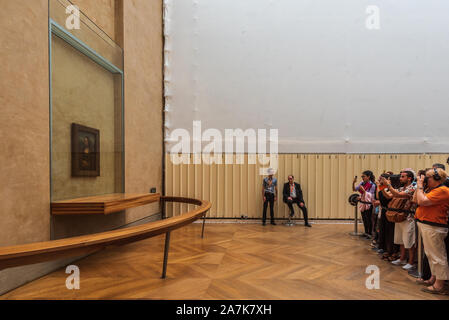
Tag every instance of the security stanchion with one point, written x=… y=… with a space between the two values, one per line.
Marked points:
x=356 y=222
x=353 y=200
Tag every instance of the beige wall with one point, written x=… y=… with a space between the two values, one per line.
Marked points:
x=24 y=120
x=24 y=160
x=326 y=181
x=101 y=12
x=143 y=99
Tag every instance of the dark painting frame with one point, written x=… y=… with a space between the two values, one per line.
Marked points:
x=85 y=151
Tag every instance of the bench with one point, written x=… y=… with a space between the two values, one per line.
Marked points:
x=25 y=254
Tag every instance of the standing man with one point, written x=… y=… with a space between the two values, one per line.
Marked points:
x=404 y=232
x=269 y=194
x=292 y=193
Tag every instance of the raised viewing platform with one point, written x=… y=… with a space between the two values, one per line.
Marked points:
x=104 y=204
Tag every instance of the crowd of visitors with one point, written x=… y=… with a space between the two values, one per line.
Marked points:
x=395 y=206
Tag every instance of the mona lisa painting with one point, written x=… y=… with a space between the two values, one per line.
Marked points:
x=85 y=151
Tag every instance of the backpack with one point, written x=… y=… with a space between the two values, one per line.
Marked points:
x=398 y=210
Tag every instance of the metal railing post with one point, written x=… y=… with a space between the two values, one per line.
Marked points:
x=167 y=245
x=204 y=222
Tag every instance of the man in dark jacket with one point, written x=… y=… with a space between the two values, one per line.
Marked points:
x=293 y=194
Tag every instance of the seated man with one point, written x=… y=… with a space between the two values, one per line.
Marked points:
x=293 y=194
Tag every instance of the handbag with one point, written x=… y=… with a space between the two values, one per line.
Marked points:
x=398 y=210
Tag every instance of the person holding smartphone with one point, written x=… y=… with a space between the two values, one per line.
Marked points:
x=404 y=232
x=386 y=228
x=367 y=185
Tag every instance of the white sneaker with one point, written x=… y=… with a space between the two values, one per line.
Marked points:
x=399 y=261
x=408 y=266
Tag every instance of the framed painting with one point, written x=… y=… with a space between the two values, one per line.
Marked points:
x=85 y=151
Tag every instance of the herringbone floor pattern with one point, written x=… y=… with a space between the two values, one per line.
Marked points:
x=234 y=261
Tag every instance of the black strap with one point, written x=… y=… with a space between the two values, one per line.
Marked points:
x=433 y=223
x=365 y=202
x=398 y=210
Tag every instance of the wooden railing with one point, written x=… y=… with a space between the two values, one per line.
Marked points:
x=19 y=255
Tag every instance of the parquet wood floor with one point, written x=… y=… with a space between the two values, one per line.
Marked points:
x=234 y=261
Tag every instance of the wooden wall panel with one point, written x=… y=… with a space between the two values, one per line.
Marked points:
x=326 y=181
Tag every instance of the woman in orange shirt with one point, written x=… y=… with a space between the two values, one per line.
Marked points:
x=431 y=216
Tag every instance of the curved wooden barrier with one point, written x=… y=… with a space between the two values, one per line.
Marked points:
x=26 y=254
